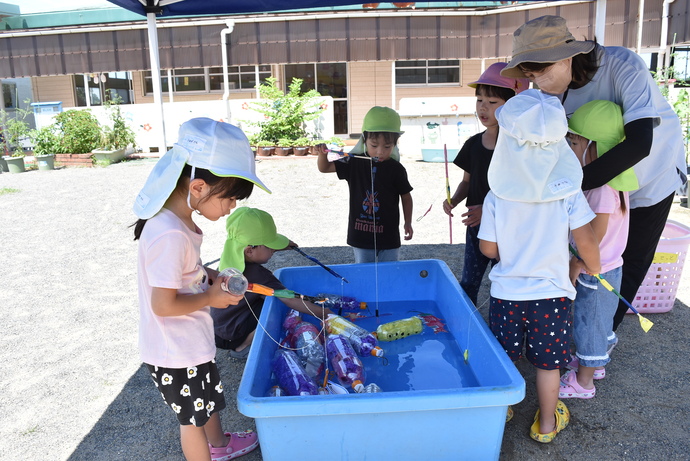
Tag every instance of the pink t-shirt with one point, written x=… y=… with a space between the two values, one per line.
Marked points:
x=169 y=257
x=606 y=200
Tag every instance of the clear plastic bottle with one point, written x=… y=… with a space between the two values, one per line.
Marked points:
x=363 y=342
x=372 y=388
x=344 y=361
x=291 y=320
x=309 y=348
x=337 y=302
x=291 y=376
x=275 y=391
x=232 y=281
x=399 y=329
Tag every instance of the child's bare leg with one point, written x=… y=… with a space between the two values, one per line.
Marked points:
x=548 y=383
x=585 y=376
x=194 y=443
x=214 y=432
x=247 y=342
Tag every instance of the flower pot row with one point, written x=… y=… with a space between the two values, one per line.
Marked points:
x=267 y=151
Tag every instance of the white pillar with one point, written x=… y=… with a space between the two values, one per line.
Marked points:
x=156 y=77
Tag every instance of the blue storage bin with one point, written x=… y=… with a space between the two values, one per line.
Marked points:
x=452 y=416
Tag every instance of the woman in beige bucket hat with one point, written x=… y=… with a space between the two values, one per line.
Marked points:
x=578 y=72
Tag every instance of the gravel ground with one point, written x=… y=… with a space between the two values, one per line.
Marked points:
x=75 y=389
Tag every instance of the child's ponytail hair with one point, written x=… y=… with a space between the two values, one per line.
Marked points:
x=224 y=187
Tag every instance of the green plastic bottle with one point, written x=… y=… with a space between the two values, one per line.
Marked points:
x=399 y=329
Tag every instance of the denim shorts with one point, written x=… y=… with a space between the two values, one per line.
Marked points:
x=593 y=314
x=363 y=255
x=542 y=326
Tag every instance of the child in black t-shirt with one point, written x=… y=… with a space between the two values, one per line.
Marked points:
x=252 y=239
x=377 y=183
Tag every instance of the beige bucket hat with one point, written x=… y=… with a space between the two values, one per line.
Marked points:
x=545 y=39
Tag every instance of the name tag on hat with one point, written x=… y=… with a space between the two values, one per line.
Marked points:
x=560 y=185
x=192 y=143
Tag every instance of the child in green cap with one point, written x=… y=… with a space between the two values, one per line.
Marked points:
x=378 y=183
x=252 y=239
x=594 y=129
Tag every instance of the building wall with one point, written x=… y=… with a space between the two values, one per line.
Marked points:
x=58 y=88
x=370 y=84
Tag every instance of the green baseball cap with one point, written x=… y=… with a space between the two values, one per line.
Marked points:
x=381 y=120
x=602 y=121
x=248 y=226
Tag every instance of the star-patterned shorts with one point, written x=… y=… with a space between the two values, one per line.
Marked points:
x=193 y=393
x=542 y=326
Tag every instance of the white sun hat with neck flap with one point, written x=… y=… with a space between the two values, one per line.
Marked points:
x=219 y=147
x=532 y=161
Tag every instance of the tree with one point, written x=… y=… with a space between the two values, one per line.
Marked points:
x=285 y=114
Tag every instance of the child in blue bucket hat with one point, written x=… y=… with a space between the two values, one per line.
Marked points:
x=209 y=168
x=534 y=202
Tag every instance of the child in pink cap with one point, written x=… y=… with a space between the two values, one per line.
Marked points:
x=492 y=91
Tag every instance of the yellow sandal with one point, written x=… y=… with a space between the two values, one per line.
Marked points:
x=562 y=420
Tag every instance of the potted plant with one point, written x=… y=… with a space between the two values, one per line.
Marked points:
x=46 y=143
x=13 y=130
x=265 y=148
x=78 y=133
x=114 y=139
x=301 y=146
x=284 y=147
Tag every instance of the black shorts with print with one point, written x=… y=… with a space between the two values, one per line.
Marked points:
x=541 y=326
x=193 y=393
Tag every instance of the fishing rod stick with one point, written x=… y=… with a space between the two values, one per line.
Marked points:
x=450 y=219
x=311 y=258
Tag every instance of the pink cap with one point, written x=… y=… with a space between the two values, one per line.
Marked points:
x=492 y=76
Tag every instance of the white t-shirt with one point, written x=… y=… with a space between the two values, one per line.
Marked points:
x=169 y=257
x=532 y=241
x=623 y=78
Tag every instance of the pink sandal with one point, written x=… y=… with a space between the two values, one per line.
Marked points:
x=571 y=389
x=240 y=444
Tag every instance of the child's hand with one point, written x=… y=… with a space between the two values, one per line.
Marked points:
x=473 y=216
x=576 y=267
x=320 y=148
x=448 y=207
x=408 y=232
x=220 y=299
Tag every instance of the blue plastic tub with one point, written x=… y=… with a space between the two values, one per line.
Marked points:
x=437 y=405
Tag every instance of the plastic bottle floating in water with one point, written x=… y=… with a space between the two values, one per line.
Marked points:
x=399 y=329
x=309 y=348
x=291 y=376
x=276 y=391
x=291 y=320
x=336 y=302
x=371 y=389
x=344 y=361
x=362 y=341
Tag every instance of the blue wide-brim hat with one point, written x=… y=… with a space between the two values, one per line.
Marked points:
x=219 y=147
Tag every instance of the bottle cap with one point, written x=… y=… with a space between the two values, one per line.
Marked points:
x=358 y=386
x=362 y=305
x=377 y=352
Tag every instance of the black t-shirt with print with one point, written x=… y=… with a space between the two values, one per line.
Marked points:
x=374 y=216
x=474 y=158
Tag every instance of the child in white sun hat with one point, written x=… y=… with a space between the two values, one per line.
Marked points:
x=534 y=202
x=208 y=169
x=492 y=91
